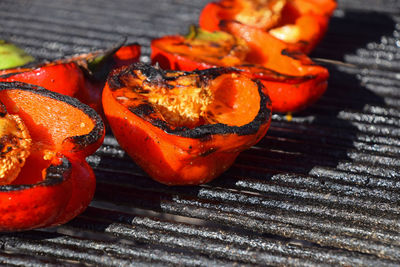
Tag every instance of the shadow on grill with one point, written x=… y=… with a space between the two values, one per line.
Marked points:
x=351 y=30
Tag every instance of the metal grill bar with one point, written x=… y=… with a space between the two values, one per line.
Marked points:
x=17 y=259
x=174 y=235
x=364 y=187
x=72 y=250
x=331 y=207
x=186 y=207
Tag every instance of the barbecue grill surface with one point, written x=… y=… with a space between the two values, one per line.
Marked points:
x=321 y=189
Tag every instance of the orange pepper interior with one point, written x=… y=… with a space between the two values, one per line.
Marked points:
x=49 y=122
x=233 y=105
x=187 y=102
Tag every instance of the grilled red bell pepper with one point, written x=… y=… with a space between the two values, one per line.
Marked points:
x=44 y=140
x=185 y=127
x=291 y=80
x=300 y=23
x=81 y=76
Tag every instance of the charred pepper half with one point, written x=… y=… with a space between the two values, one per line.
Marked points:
x=291 y=79
x=185 y=127
x=44 y=140
x=299 y=23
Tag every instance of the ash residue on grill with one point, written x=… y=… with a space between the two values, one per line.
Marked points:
x=319 y=189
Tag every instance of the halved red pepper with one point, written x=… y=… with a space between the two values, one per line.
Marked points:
x=185 y=127
x=299 y=23
x=291 y=79
x=76 y=76
x=44 y=140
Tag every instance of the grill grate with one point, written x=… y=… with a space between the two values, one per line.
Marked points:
x=319 y=190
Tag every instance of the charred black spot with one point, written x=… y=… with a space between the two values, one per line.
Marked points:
x=206 y=138
x=304 y=42
x=169 y=86
x=292 y=54
x=160 y=124
x=3 y=110
x=22 y=86
x=114 y=82
x=222 y=24
x=133 y=74
x=210 y=114
x=7 y=142
x=55 y=174
x=142 y=110
x=153 y=75
x=210 y=74
x=8 y=75
x=271 y=75
x=180 y=43
x=117 y=81
x=140 y=90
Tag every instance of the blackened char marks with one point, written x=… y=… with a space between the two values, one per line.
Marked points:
x=142 y=110
x=114 y=82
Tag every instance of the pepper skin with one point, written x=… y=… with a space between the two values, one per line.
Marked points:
x=81 y=76
x=299 y=23
x=61 y=77
x=55 y=183
x=185 y=128
x=291 y=80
